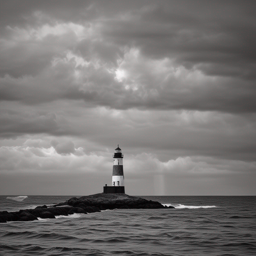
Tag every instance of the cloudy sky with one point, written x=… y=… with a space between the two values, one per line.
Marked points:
x=173 y=82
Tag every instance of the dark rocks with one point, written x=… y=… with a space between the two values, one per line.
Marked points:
x=85 y=204
x=6 y=216
x=47 y=215
x=22 y=215
x=114 y=201
x=92 y=209
x=40 y=207
x=59 y=210
x=79 y=210
x=26 y=216
x=2 y=220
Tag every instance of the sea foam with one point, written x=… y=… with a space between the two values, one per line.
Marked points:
x=182 y=206
x=70 y=216
x=17 y=198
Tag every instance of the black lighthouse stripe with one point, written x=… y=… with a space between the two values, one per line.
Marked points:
x=118 y=170
x=118 y=155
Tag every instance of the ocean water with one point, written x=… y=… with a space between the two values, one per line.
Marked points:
x=197 y=226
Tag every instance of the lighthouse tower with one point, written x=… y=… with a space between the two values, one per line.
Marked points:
x=117 y=174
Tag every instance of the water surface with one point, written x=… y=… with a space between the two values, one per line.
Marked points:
x=198 y=226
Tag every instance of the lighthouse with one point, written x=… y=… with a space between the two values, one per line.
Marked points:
x=118 y=171
x=117 y=174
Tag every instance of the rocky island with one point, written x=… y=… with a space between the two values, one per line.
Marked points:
x=84 y=204
x=113 y=197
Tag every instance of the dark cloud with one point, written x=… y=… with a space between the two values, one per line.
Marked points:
x=172 y=81
x=194 y=37
x=194 y=34
x=18 y=122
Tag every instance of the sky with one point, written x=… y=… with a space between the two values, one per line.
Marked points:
x=172 y=82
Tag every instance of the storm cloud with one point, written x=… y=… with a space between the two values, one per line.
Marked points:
x=173 y=82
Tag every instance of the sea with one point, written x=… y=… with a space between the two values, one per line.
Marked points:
x=199 y=225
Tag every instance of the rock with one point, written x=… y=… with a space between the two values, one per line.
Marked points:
x=6 y=216
x=113 y=201
x=26 y=216
x=2 y=220
x=47 y=215
x=59 y=204
x=71 y=210
x=84 y=204
x=60 y=210
x=77 y=210
x=80 y=205
x=92 y=209
x=73 y=201
x=40 y=207
x=80 y=210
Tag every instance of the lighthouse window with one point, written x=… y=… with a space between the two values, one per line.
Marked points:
x=113 y=183
x=117 y=183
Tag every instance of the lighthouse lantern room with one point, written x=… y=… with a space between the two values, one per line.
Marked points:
x=117 y=175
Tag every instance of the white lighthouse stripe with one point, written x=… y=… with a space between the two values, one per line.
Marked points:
x=117 y=180
x=118 y=161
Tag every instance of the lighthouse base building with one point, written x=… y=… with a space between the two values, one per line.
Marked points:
x=117 y=175
x=113 y=189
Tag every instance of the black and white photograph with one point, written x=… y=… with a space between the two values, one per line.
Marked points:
x=128 y=127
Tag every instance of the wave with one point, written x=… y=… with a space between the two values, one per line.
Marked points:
x=70 y=216
x=182 y=206
x=42 y=219
x=17 y=198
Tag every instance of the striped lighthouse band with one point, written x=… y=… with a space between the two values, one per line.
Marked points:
x=118 y=170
